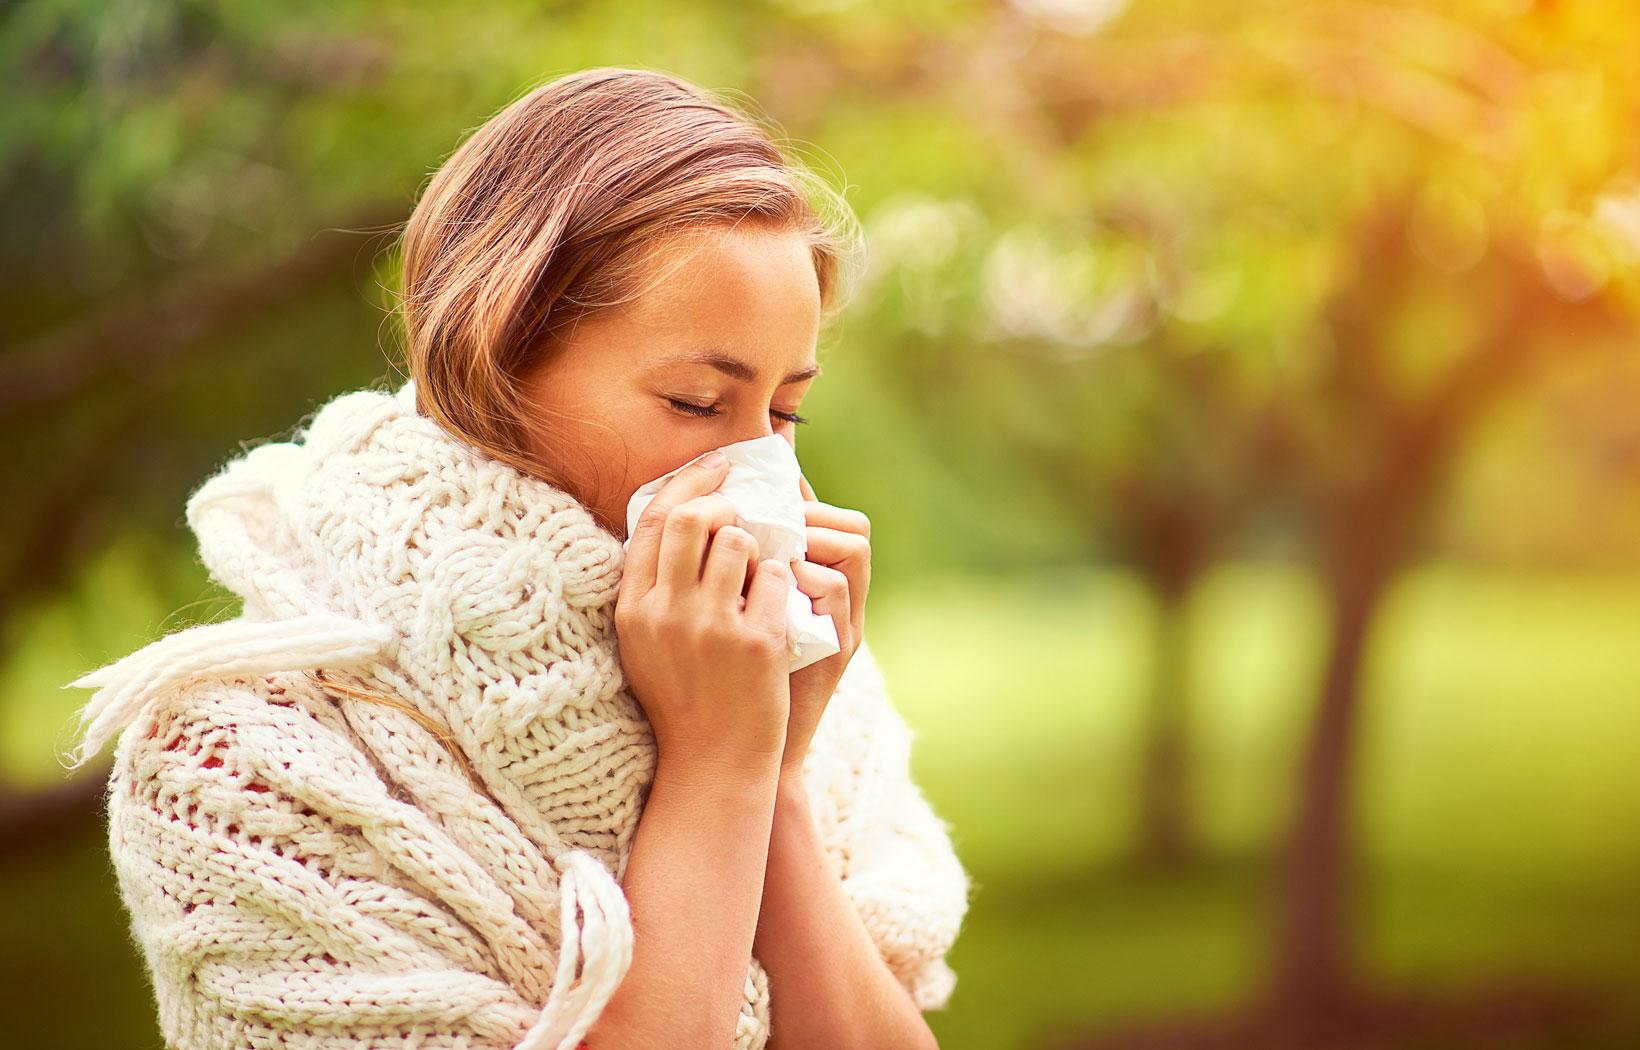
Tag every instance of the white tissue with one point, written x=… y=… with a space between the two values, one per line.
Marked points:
x=762 y=483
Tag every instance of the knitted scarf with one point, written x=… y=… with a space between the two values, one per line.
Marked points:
x=303 y=868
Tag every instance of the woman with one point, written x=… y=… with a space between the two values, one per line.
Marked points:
x=467 y=771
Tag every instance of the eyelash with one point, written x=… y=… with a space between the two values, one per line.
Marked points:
x=708 y=410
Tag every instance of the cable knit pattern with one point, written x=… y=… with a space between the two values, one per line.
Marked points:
x=303 y=869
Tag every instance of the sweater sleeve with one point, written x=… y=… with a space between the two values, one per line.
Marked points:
x=894 y=853
x=290 y=897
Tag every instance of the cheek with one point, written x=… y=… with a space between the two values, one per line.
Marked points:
x=650 y=462
x=659 y=452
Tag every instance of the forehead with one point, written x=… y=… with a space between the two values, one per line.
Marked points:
x=746 y=291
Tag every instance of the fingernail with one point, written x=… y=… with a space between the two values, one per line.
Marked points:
x=713 y=460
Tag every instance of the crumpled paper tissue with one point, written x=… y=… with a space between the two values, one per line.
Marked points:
x=762 y=483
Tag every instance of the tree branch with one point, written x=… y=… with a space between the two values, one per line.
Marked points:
x=148 y=330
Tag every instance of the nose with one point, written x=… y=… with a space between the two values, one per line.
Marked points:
x=763 y=430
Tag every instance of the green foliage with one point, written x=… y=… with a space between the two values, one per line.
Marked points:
x=1149 y=285
x=1497 y=767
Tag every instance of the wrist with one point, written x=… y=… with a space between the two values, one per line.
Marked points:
x=793 y=759
x=719 y=773
x=790 y=786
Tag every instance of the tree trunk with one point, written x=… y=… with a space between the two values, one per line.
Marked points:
x=1314 y=964
x=1165 y=835
x=1169 y=535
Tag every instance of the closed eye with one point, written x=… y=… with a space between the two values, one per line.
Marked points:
x=711 y=410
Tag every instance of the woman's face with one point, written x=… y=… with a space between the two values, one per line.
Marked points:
x=720 y=349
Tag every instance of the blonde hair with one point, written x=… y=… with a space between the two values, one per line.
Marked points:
x=555 y=207
x=329 y=684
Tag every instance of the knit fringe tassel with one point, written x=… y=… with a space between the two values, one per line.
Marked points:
x=231 y=648
x=602 y=946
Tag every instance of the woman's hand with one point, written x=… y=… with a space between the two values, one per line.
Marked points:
x=835 y=574
x=707 y=664
x=711 y=671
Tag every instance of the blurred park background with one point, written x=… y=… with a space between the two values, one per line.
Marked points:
x=1244 y=396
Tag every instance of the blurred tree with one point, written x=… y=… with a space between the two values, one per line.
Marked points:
x=1263 y=273
x=1160 y=281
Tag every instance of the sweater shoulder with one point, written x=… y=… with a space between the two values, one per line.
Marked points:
x=213 y=743
x=215 y=706
x=248 y=851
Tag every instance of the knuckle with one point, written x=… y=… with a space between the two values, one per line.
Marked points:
x=709 y=635
x=761 y=641
x=634 y=625
x=652 y=518
x=673 y=621
x=640 y=614
x=697 y=512
x=721 y=633
x=682 y=521
x=737 y=639
x=735 y=538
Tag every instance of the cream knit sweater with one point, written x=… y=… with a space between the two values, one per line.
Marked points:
x=306 y=870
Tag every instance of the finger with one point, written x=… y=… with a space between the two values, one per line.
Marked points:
x=643 y=550
x=687 y=538
x=766 y=597
x=828 y=591
x=844 y=519
x=836 y=548
x=850 y=554
x=732 y=556
x=808 y=490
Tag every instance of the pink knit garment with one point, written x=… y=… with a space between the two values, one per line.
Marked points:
x=305 y=870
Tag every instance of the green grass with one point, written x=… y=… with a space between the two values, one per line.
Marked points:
x=1498 y=797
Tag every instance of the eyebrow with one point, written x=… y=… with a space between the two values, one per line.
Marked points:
x=735 y=367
